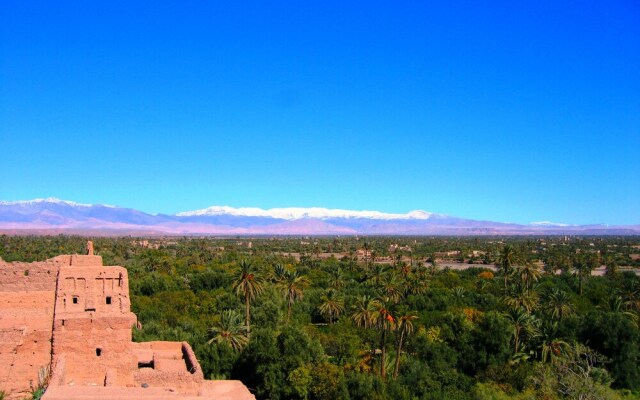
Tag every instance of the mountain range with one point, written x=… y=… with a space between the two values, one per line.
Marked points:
x=53 y=216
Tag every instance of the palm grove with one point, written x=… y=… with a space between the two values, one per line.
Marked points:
x=388 y=323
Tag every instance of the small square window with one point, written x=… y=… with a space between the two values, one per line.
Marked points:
x=108 y=299
x=75 y=300
x=98 y=352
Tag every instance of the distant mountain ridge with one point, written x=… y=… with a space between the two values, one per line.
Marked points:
x=293 y=213
x=51 y=215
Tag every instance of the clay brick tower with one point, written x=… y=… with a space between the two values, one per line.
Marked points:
x=74 y=314
x=93 y=321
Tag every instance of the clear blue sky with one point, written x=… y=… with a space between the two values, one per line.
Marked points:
x=523 y=111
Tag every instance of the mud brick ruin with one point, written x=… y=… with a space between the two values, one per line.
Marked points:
x=71 y=315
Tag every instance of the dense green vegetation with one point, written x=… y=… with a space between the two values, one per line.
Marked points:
x=362 y=318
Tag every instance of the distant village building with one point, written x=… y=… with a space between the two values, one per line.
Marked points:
x=70 y=315
x=444 y=254
x=396 y=247
x=362 y=253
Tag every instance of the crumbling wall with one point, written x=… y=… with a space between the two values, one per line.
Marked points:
x=192 y=364
x=79 y=260
x=27 y=298
x=168 y=363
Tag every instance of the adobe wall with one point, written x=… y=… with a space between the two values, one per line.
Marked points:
x=73 y=313
x=168 y=363
x=28 y=277
x=92 y=324
x=101 y=290
x=27 y=298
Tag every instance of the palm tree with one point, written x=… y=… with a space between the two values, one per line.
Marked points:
x=293 y=287
x=580 y=270
x=336 y=278
x=366 y=254
x=416 y=284
x=630 y=293
x=404 y=268
x=229 y=330
x=528 y=274
x=278 y=274
x=459 y=293
x=392 y=287
x=612 y=268
x=365 y=309
x=618 y=305
x=433 y=268
x=505 y=261
x=558 y=304
x=377 y=274
x=525 y=325
x=332 y=305
x=384 y=321
x=582 y=267
x=519 y=297
x=552 y=348
x=563 y=262
x=249 y=286
x=404 y=325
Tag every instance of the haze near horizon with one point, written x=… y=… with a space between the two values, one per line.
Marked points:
x=513 y=113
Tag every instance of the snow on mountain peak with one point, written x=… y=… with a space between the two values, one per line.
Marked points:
x=50 y=200
x=548 y=223
x=294 y=213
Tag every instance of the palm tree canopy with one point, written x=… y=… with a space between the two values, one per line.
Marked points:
x=525 y=326
x=293 y=286
x=248 y=284
x=365 y=310
x=332 y=304
x=392 y=287
x=519 y=297
x=229 y=331
x=382 y=316
x=528 y=273
x=558 y=304
x=405 y=323
x=506 y=258
x=279 y=273
x=336 y=278
x=377 y=274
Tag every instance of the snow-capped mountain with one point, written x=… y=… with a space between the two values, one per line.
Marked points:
x=548 y=223
x=49 y=200
x=294 y=213
x=52 y=216
x=56 y=212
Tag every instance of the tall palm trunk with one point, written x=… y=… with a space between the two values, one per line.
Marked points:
x=397 y=367
x=248 y=316
x=505 y=281
x=580 y=281
x=383 y=370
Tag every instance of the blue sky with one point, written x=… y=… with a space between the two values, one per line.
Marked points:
x=521 y=112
